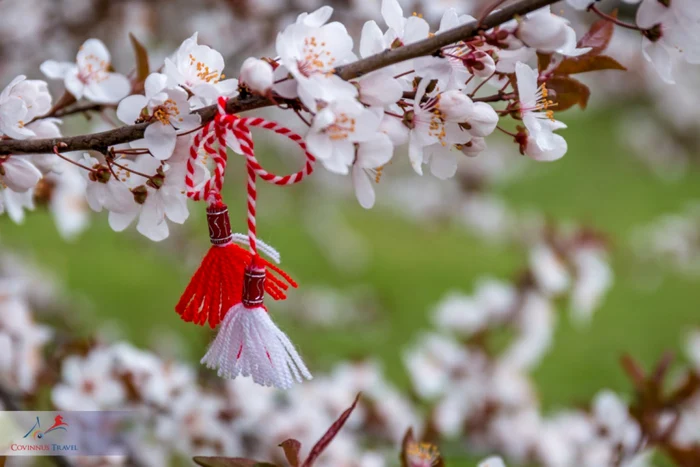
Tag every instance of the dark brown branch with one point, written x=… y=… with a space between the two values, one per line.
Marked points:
x=101 y=141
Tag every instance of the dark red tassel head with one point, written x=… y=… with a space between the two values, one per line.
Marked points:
x=219 y=224
x=254 y=284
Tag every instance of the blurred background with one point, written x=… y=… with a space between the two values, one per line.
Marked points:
x=370 y=281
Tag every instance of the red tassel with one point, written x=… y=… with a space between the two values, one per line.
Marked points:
x=218 y=283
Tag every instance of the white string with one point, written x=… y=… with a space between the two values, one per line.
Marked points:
x=242 y=239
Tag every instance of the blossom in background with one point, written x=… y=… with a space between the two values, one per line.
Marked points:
x=672 y=30
x=18 y=174
x=88 y=383
x=90 y=76
x=15 y=203
x=168 y=110
x=20 y=102
x=542 y=143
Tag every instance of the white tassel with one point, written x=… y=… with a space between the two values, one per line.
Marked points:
x=250 y=344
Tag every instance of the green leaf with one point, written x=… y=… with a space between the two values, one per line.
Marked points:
x=229 y=462
x=141 y=54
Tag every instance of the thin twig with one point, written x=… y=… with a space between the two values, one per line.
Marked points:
x=125 y=134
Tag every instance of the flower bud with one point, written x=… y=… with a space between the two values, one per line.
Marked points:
x=455 y=106
x=474 y=147
x=257 y=75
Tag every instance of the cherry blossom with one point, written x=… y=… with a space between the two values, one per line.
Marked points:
x=18 y=174
x=199 y=69
x=21 y=102
x=107 y=187
x=87 y=384
x=671 y=30
x=90 y=76
x=402 y=30
x=156 y=199
x=547 y=32
x=309 y=50
x=15 y=203
x=167 y=109
x=442 y=121
x=542 y=143
x=371 y=157
x=335 y=130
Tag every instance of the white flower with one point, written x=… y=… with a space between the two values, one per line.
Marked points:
x=672 y=30
x=88 y=383
x=67 y=204
x=311 y=50
x=104 y=190
x=549 y=33
x=18 y=174
x=549 y=270
x=442 y=121
x=90 y=76
x=460 y=61
x=593 y=279
x=335 y=130
x=15 y=203
x=542 y=143
x=402 y=30
x=168 y=110
x=199 y=69
x=20 y=102
x=474 y=147
x=157 y=199
x=45 y=128
x=580 y=4
x=493 y=461
x=257 y=74
x=371 y=156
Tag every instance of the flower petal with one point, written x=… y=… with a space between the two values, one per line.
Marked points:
x=129 y=109
x=160 y=140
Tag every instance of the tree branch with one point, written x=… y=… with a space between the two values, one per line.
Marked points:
x=101 y=141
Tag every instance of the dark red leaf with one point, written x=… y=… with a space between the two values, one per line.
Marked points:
x=543 y=61
x=634 y=371
x=141 y=54
x=567 y=92
x=229 y=462
x=598 y=36
x=584 y=63
x=326 y=439
x=291 y=451
x=408 y=440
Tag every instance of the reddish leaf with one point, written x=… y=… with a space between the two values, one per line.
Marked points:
x=141 y=54
x=326 y=439
x=598 y=37
x=584 y=63
x=543 y=61
x=408 y=440
x=229 y=462
x=291 y=451
x=634 y=371
x=2 y=461
x=568 y=92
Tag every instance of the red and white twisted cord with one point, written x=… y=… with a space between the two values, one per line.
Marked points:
x=216 y=131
